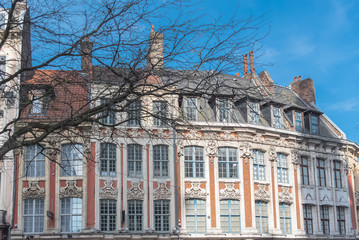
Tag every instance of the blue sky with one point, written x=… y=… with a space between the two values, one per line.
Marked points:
x=315 y=39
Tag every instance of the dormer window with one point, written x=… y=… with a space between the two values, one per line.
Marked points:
x=253 y=113
x=298 y=121
x=39 y=103
x=224 y=110
x=315 y=124
x=277 y=117
x=191 y=109
x=160 y=114
x=2 y=20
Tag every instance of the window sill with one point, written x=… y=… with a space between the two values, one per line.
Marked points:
x=228 y=180
x=285 y=185
x=263 y=182
x=308 y=186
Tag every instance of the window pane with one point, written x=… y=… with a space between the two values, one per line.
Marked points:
x=71 y=160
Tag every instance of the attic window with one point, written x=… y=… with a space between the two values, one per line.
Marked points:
x=2 y=20
x=298 y=121
x=315 y=124
x=277 y=119
x=38 y=103
x=224 y=109
x=253 y=113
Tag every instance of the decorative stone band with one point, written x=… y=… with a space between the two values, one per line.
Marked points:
x=285 y=196
x=261 y=194
x=229 y=192
x=71 y=190
x=135 y=192
x=108 y=191
x=33 y=191
x=195 y=191
x=162 y=192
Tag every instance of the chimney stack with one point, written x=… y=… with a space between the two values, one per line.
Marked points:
x=237 y=74
x=251 y=62
x=299 y=78
x=304 y=89
x=155 y=53
x=86 y=55
x=245 y=60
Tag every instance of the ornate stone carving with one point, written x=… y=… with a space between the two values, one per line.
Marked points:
x=193 y=134
x=294 y=155
x=285 y=196
x=246 y=152
x=162 y=133
x=229 y=192
x=258 y=138
x=272 y=154
x=33 y=191
x=211 y=150
x=226 y=135
x=134 y=132
x=195 y=191
x=162 y=192
x=108 y=191
x=262 y=194
x=135 y=192
x=71 y=190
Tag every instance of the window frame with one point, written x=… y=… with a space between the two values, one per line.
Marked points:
x=106 y=206
x=75 y=165
x=134 y=113
x=298 y=121
x=282 y=169
x=314 y=125
x=107 y=116
x=137 y=215
x=230 y=216
x=137 y=171
x=197 y=166
x=162 y=162
x=223 y=109
x=341 y=220
x=277 y=117
x=321 y=175
x=261 y=216
x=324 y=219
x=108 y=163
x=71 y=214
x=196 y=213
x=191 y=111
x=259 y=166
x=304 y=177
x=337 y=174
x=39 y=169
x=227 y=163
x=308 y=218
x=35 y=214
x=284 y=218
x=161 y=111
x=253 y=113
x=164 y=218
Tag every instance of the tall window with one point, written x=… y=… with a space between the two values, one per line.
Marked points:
x=196 y=215
x=35 y=161
x=224 y=110
x=304 y=170
x=191 y=109
x=162 y=215
x=71 y=160
x=108 y=116
x=160 y=113
x=282 y=168
x=277 y=117
x=194 y=161
x=135 y=218
x=230 y=217
x=108 y=215
x=71 y=214
x=259 y=165
x=298 y=121
x=324 y=218
x=134 y=160
x=285 y=220
x=2 y=63
x=308 y=218
x=341 y=220
x=37 y=105
x=134 y=113
x=33 y=215
x=321 y=172
x=160 y=161
x=261 y=217
x=315 y=125
x=108 y=159
x=253 y=113
x=337 y=175
x=227 y=162
x=2 y=20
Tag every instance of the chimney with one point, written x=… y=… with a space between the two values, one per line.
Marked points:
x=267 y=81
x=304 y=89
x=251 y=62
x=237 y=74
x=86 y=55
x=245 y=60
x=295 y=79
x=155 y=52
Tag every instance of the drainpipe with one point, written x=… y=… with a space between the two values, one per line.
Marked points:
x=176 y=231
x=13 y=195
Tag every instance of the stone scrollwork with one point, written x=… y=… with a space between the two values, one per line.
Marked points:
x=108 y=191
x=294 y=155
x=262 y=194
x=162 y=192
x=246 y=152
x=71 y=190
x=195 y=191
x=226 y=135
x=33 y=191
x=285 y=196
x=229 y=192
x=135 y=192
x=193 y=134
x=211 y=150
x=272 y=154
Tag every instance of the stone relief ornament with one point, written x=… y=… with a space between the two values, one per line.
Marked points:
x=262 y=194
x=33 y=191
x=134 y=133
x=193 y=134
x=294 y=155
x=108 y=191
x=180 y=148
x=71 y=190
x=272 y=154
x=246 y=152
x=226 y=135
x=195 y=191
x=229 y=192
x=258 y=138
x=285 y=196
x=211 y=150
x=162 y=192
x=135 y=192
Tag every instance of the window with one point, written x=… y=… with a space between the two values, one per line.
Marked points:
x=282 y=168
x=135 y=211
x=162 y=215
x=285 y=220
x=224 y=110
x=277 y=118
x=194 y=161
x=33 y=215
x=71 y=214
x=160 y=113
x=37 y=105
x=315 y=125
x=321 y=173
x=304 y=170
x=134 y=113
x=324 y=218
x=2 y=64
x=298 y=121
x=2 y=20
x=261 y=217
x=35 y=161
x=337 y=175
x=71 y=160
x=227 y=162
x=341 y=220
x=230 y=217
x=259 y=165
x=108 y=215
x=308 y=218
x=160 y=161
x=196 y=215
x=191 y=109
x=108 y=159
x=134 y=160
x=108 y=116
x=253 y=113
x=39 y=102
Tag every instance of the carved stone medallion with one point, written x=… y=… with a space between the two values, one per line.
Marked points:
x=108 y=191
x=195 y=191
x=272 y=154
x=229 y=192
x=162 y=192
x=285 y=196
x=211 y=149
x=33 y=191
x=262 y=194
x=71 y=190
x=135 y=192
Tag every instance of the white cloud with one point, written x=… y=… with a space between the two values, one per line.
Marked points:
x=346 y=105
x=300 y=45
